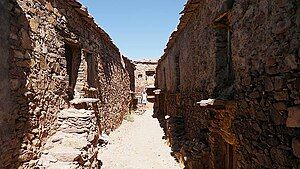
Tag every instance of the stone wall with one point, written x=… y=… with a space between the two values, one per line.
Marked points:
x=245 y=55
x=141 y=79
x=44 y=44
x=130 y=67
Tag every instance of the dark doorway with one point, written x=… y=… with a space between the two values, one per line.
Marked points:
x=91 y=69
x=72 y=54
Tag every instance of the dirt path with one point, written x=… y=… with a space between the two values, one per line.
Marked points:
x=138 y=145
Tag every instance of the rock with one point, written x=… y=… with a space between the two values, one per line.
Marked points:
x=36 y=143
x=296 y=147
x=49 y=7
x=30 y=136
x=263 y=159
x=91 y=137
x=104 y=138
x=280 y=106
x=84 y=100
x=74 y=130
x=57 y=137
x=34 y=25
x=254 y=95
x=45 y=160
x=256 y=128
x=64 y=126
x=272 y=142
x=75 y=142
x=279 y=156
x=25 y=39
x=293 y=119
x=290 y=61
x=65 y=154
x=283 y=95
x=268 y=84
x=282 y=26
x=35 y=131
x=25 y=63
x=27 y=156
x=74 y=113
x=18 y=54
x=278 y=118
x=15 y=84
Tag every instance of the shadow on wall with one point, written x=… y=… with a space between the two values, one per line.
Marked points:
x=15 y=62
x=129 y=67
x=107 y=64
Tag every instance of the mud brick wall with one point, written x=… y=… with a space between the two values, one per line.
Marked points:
x=34 y=76
x=245 y=53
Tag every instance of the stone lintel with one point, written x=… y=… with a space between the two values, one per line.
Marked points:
x=214 y=103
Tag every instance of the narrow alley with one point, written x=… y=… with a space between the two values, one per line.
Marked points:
x=223 y=93
x=138 y=145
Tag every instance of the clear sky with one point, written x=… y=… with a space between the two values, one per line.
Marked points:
x=140 y=28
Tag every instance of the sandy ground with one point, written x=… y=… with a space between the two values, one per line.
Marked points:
x=138 y=145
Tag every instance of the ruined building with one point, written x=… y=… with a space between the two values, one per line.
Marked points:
x=63 y=82
x=229 y=81
x=145 y=71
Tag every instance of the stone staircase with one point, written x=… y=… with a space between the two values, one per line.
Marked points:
x=75 y=144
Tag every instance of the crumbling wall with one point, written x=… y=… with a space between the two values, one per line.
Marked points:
x=33 y=51
x=256 y=85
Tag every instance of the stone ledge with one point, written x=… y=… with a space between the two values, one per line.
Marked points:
x=74 y=113
x=84 y=100
x=213 y=103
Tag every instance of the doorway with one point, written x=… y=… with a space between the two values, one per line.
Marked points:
x=72 y=55
x=91 y=70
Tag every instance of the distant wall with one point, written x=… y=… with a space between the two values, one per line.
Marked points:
x=141 y=79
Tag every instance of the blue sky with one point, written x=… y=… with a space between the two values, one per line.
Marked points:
x=140 y=28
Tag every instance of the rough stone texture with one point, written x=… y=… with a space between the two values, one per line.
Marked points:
x=47 y=49
x=130 y=68
x=296 y=147
x=142 y=80
x=75 y=144
x=293 y=119
x=253 y=69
